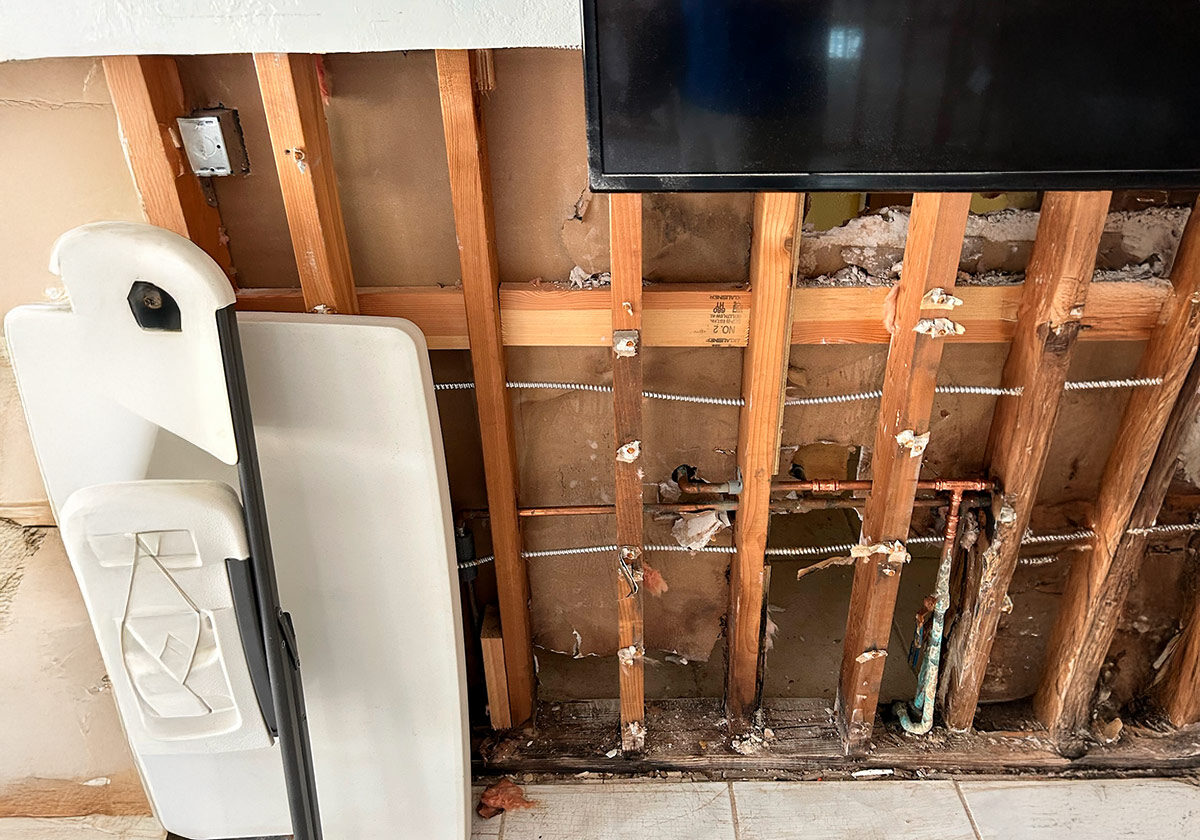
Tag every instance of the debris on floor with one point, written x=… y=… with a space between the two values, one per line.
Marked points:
x=504 y=795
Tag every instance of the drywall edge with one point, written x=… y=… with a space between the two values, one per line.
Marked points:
x=56 y=28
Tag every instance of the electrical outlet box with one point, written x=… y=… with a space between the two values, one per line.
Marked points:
x=212 y=140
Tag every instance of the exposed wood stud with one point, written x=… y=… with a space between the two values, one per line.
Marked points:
x=625 y=220
x=491 y=643
x=147 y=97
x=1048 y=323
x=773 y=248
x=470 y=188
x=931 y=256
x=1099 y=579
x=682 y=315
x=484 y=68
x=1178 y=692
x=291 y=96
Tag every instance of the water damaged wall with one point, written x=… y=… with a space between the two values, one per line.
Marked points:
x=386 y=129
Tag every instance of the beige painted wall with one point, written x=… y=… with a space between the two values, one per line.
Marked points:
x=61 y=746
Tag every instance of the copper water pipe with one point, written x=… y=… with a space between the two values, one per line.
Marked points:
x=777 y=506
x=840 y=486
x=689 y=482
x=952 y=515
x=664 y=507
x=791 y=506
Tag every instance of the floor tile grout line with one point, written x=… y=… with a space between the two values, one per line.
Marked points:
x=733 y=812
x=962 y=797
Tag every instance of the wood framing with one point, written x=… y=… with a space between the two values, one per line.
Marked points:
x=470 y=187
x=773 y=249
x=291 y=97
x=686 y=315
x=491 y=644
x=147 y=97
x=1048 y=324
x=691 y=736
x=625 y=224
x=1100 y=578
x=931 y=257
x=1178 y=692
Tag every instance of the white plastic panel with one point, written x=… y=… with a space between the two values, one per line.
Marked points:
x=150 y=558
x=175 y=380
x=358 y=507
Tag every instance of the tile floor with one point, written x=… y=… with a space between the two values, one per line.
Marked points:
x=1158 y=809
x=1145 y=809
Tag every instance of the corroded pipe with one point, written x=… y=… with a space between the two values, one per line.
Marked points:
x=932 y=658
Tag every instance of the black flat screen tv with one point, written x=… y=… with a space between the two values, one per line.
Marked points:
x=978 y=95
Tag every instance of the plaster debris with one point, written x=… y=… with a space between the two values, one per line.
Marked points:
x=613 y=753
x=939 y=327
x=753 y=741
x=769 y=633
x=575 y=654
x=668 y=491
x=939 y=298
x=865 y=251
x=580 y=279
x=868 y=655
x=895 y=551
x=504 y=795
x=914 y=443
x=629 y=452
x=676 y=659
x=627 y=655
x=872 y=773
x=696 y=530
x=625 y=343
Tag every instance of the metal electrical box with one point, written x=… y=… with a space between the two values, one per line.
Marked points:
x=212 y=140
